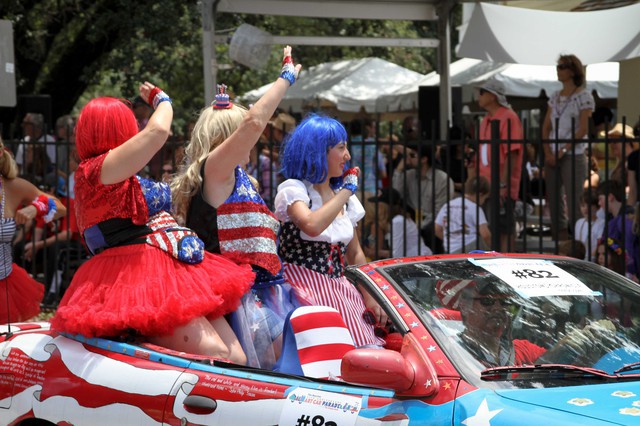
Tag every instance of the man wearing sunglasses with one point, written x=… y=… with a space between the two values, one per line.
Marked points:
x=487 y=312
x=487 y=309
x=491 y=98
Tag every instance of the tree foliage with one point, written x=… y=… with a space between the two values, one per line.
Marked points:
x=74 y=50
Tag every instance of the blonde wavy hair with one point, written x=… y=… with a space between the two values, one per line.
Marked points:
x=213 y=127
x=8 y=166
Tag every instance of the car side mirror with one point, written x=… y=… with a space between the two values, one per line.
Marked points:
x=408 y=372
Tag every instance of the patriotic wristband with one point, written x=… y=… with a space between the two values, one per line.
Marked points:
x=46 y=207
x=350 y=180
x=288 y=71
x=156 y=96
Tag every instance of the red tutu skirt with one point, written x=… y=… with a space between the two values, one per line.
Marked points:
x=24 y=295
x=142 y=288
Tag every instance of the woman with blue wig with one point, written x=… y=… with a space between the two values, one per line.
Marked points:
x=319 y=212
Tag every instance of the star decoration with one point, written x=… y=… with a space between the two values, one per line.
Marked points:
x=440 y=362
x=385 y=287
x=255 y=327
x=414 y=324
x=431 y=348
x=447 y=386
x=630 y=411
x=482 y=416
x=580 y=402
x=243 y=190
x=426 y=385
x=400 y=305
x=623 y=394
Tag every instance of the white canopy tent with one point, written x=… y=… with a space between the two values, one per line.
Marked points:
x=520 y=80
x=516 y=35
x=348 y=86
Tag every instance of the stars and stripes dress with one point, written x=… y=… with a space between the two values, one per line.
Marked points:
x=147 y=275
x=314 y=265
x=20 y=295
x=244 y=230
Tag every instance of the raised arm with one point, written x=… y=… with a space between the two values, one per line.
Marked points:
x=314 y=222
x=130 y=157
x=233 y=151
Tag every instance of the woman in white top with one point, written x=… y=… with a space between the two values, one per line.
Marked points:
x=565 y=168
x=319 y=211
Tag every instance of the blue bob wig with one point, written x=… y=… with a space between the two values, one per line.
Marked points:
x=304 y=153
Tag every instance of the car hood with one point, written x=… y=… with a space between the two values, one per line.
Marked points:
x=614 y=402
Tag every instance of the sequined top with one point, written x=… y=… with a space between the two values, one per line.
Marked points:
x=242 y=228
x=324 y=253
x=96 y=202
x=116 y=225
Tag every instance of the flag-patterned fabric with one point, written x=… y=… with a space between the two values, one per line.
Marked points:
x=247 y=230
x=319 y=339
x=449 y=291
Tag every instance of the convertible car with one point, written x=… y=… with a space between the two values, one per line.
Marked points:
x=558 y=343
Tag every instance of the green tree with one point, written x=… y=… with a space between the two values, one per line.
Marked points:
x=74 y=50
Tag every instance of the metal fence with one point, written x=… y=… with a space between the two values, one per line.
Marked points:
x=385 y=161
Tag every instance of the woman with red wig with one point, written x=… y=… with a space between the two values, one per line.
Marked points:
x=20 y=295
x=148 y=277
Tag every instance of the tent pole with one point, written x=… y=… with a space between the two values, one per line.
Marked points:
x=444 y=59
x=208 y=49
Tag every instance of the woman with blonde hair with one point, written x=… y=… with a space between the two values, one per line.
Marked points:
x=20 y=295
x=214 y=196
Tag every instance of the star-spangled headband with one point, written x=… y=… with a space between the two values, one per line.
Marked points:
x=222 y=98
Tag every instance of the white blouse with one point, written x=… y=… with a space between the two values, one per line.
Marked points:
x=340 y=230
x=566 y=110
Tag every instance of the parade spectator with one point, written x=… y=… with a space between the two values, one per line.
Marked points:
x=620 y=226
x=590 y=226
x=426 y=189
x=572 y=248
x=266 y=154
x=402 y=238
x=65 y=138
x=621 y=141
x=461 y=220
x=33 y=134
x=565 y=164
x=366 y=155
x=511 y=150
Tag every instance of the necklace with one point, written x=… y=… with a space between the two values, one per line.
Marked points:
x=567 y=102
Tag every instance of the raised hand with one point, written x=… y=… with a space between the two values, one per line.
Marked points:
x=350 y=179
x=289 y=71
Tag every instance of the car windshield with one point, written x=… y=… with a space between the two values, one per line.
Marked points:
x=503 y=311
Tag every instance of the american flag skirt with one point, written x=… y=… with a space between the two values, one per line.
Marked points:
x=313 y=288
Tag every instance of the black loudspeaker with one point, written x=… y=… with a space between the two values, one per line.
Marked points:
x=429 y=110
x=40 y=104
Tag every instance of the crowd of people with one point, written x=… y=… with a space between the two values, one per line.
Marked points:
x=276 y=210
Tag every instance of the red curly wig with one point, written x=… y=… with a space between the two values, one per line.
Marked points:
x=104 y=123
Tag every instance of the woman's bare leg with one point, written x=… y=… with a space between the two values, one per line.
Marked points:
x=236 y=353
x=202 y=337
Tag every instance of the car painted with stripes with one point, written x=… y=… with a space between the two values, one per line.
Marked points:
x=426 y=375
